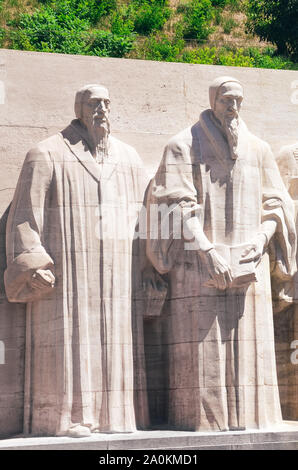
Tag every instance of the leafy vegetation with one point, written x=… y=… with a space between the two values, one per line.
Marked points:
x=219 y=32
x=275 y=21
x=228 y=24
x=197 y=18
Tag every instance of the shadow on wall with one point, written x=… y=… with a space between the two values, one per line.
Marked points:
x=12 y=337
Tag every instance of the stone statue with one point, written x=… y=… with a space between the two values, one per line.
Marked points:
x=286 y=304
x=221 y=196
x=69 y=256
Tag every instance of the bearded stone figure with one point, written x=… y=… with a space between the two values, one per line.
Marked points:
x=69 y=256
x=226 y=199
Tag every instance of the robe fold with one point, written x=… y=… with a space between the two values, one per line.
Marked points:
x=219 y=343
x=76 y=217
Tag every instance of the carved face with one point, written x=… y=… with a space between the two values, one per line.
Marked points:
x=96 y=108
x=228 y=101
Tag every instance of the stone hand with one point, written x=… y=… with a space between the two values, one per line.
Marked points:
x=42 y=279
x=255 y=250
x=219 y=270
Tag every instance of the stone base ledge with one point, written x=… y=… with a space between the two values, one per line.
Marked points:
x=283 y=437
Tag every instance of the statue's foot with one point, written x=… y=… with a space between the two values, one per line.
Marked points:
x=79 y=431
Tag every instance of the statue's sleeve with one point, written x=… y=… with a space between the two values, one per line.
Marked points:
x=25 y=249
x=278 y=206
x=173 y=199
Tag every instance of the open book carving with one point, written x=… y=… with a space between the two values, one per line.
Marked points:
x=243 y=272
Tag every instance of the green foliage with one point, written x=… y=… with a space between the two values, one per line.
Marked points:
x=219 y=3
x=61 y=30
x=275 y=21
x=215 y=56
x=107 y=44
x=2 y=36
x=162 y=49
x=50 y=31
x=235 y=5
x=267 y=59
x=150 y=16
x=228 y=24
x=198 y=15
x=122 y=22
x=235 y=59
x=217 y=16
x=250 y=57
x=93 y=10
x=90 y=10
x=142 y=17
x=205 y=55
x=110 y=28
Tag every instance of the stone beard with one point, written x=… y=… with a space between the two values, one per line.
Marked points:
x=99 y=130
x=231 y=128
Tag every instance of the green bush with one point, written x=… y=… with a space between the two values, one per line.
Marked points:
x=122 y=22
x=205 y=55
x=161 y=49
x=90 y=10
x=150 y=16
x=275 y=21
x=107 y=44
x=267 y=59
x=47 y=31
x=197 y=19
x=61 y=30
x=2 y=36
x=236 y=59
x=217 y=56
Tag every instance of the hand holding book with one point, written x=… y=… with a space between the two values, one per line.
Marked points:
x=219 y=269
x=239 y=263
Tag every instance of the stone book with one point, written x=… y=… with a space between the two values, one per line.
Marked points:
x=243 y=272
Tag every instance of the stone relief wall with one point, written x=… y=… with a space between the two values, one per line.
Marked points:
x=151 y=103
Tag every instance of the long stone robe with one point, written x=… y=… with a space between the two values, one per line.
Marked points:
x=219 y=343
x=76 y=217
x=286 y=317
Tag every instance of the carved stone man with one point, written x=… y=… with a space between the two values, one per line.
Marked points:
x=286 y=318
x=225 y=186
x=69 y=237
